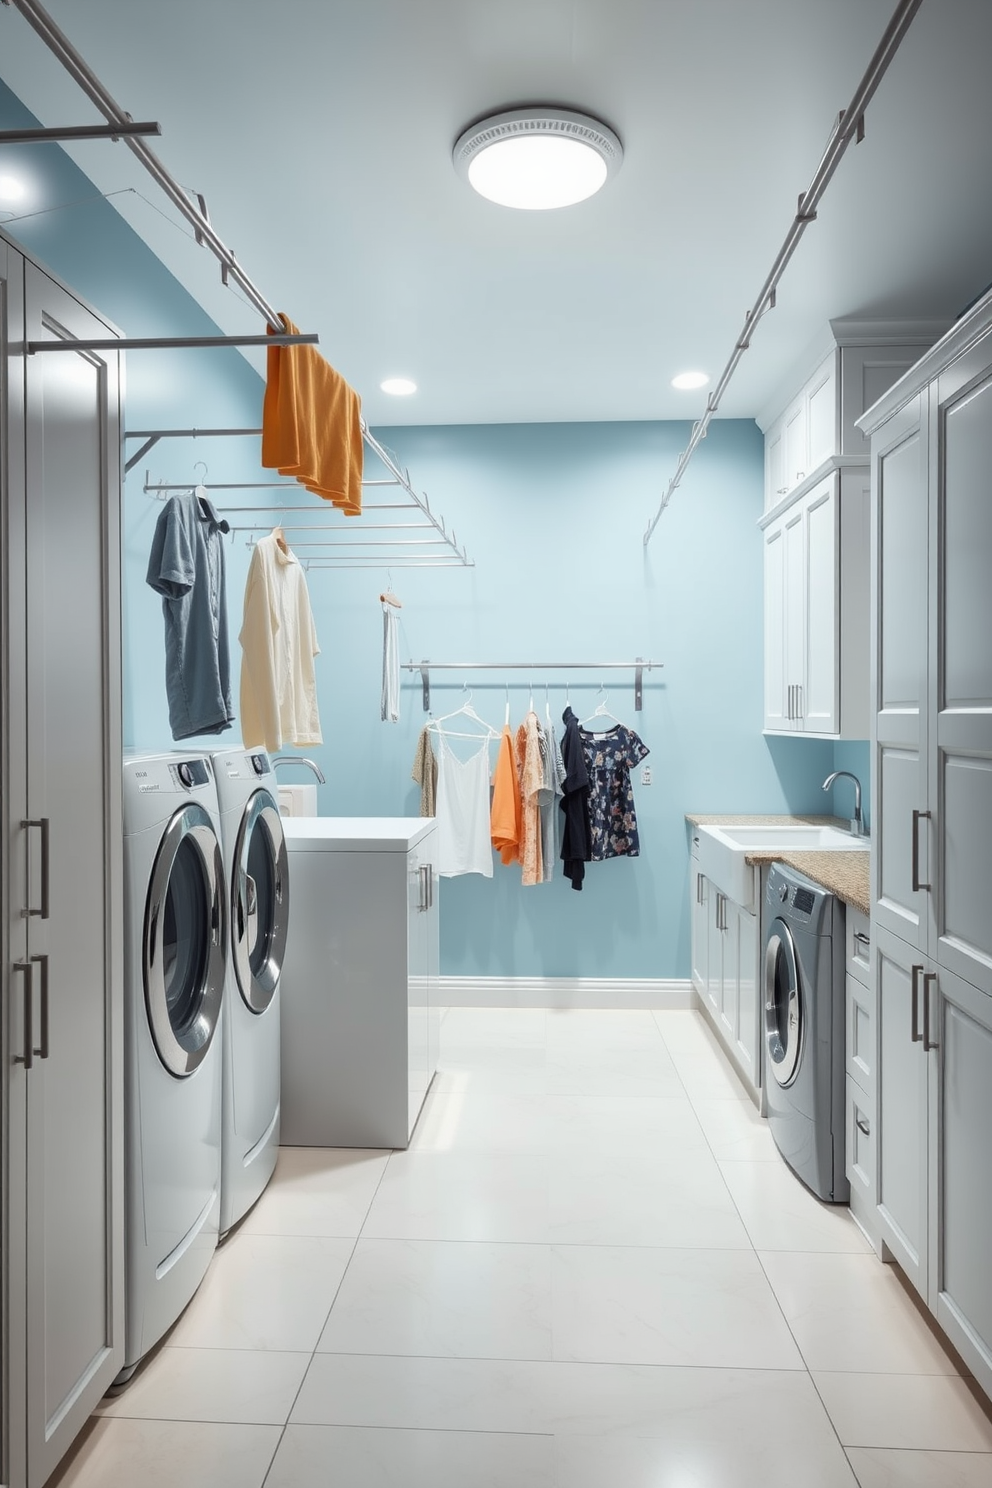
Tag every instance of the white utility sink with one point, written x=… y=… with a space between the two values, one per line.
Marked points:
x=723 y=852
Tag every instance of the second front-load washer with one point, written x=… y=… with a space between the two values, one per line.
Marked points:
x=804 y=1050
x=175 y=941
x=256 y=872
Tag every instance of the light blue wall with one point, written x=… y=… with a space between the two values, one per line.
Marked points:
x=553 y=516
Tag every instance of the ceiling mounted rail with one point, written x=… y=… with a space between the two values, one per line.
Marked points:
x=638 y=666
x=167 y=343
x=60 y=45
x=850 y=126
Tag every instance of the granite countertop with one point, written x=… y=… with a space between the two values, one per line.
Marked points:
x=843 y=873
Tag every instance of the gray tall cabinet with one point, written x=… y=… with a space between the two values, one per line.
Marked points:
x=932 y=796
x=61 y=1306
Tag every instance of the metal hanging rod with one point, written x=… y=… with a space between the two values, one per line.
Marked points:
x=75 y=132
x=449 y=561
x=168 y=343
x=152 y=488
x=352 y=527
x=58 y=43
x=850 y=126
x=638 y=666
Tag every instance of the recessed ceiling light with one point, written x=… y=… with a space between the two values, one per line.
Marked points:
x=537 y=158
x=400 y=387
x=689 y=380
x=11 y=189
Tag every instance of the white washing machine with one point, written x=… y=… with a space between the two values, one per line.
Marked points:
x=175 y=962
x=256 y=871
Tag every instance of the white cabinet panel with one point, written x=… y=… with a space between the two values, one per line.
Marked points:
x=700 y=916
x=795 y=614
x=794 y=439
x=901 y=526
x=822 y=577
x=725 y=971
x=966 y=545
x=747 y=1032
x=902 y=1106
x=776 y=695
x=821 y=416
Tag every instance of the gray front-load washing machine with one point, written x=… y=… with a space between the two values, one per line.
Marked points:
x=803 y=1023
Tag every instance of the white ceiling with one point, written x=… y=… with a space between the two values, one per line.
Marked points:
x=320 y=132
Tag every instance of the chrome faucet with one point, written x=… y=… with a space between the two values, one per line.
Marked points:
x=857 y=825
x=293 y=759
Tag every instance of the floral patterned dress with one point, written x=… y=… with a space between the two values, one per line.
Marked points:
x=609 y=758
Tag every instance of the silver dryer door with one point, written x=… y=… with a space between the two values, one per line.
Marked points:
x=259 y=901
x=785 y=1014
x=183 y=952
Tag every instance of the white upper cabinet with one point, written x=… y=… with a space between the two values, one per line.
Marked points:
x=816 y=527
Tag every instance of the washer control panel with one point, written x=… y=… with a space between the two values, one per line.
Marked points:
x=191 y=773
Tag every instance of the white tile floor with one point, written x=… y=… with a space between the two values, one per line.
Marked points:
x=590 y=1270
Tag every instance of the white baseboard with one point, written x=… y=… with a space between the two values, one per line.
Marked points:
x=565 y=992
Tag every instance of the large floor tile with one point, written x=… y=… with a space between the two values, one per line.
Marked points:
x=877 y=1467
x=849 y=1312
x=318 y=1191
x=735 y=1131
x=661 y=1128
x=685 y=1030
x=588 y=1069
x=482 y=1121
x=524 y=1074
x=646 y=1462
x=362 y=1457
x=238 y=1385
x=624 y=1198
x=677 y=1404
x=921 y=1412
x=265 y=1292
x=708 y=1075
x=162 y=1454
x=516 y=1028
x=694 y=1307
x=461 y=1196
x=475 y=1300
x=576 y=1028
x=781 y=1214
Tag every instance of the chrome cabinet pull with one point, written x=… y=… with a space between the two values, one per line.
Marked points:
x=928 y=1042
x=800 y=710
x=862 y=939
x=699 y=888
x=27 y=1058
x=914 y=1030
x=422 y=875
x=430 y=885
x=42 y=961
x=44 y=824
x=917 y=816
x=862 y=1125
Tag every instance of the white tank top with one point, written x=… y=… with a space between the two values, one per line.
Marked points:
x=464 y=843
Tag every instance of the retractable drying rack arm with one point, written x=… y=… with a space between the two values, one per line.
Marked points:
x=638 y=666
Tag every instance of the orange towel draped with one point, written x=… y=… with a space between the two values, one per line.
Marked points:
x=312 y=424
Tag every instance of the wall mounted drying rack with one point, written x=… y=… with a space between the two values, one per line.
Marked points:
x=451 y=556
x=638 y=666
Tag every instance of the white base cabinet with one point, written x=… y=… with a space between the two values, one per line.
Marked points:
x=360 y=1022
x=725 y=972
x=861 y=1122
x=61 y=1235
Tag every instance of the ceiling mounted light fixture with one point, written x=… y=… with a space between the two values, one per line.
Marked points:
x=690 y=380
x=11 y=189
x=537 y=158
x=400 y=387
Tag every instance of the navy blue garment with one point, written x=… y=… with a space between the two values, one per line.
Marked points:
x=610 y=757
x=576 y=841
x=186 y=566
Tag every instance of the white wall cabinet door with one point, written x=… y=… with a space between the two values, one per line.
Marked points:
x=62 y=839
x=959 y=792
x=776 y=693
x=795 y=614
x=901 y=858
x=821 y=682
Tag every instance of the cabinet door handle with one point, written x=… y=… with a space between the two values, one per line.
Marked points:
x=862 y=1125
x=27 y=1058
x=928 y=1042
x=722 y=912
x=917 y=816
x=800 y=710
x=863 y=940
x=699 y=888
x=914 y=1030
x=422 y=874
x=430 y=885
x=43 y=823
x=42 y=961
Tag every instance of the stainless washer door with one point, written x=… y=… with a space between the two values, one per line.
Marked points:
x=785 y=1015
x=184 y=939
x=259 y=902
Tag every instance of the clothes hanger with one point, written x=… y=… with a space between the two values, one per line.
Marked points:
x=387 y=596
x=506 y=719
x=466 y=710
x=206 y=505
x=280 y=538
x=600 y=711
